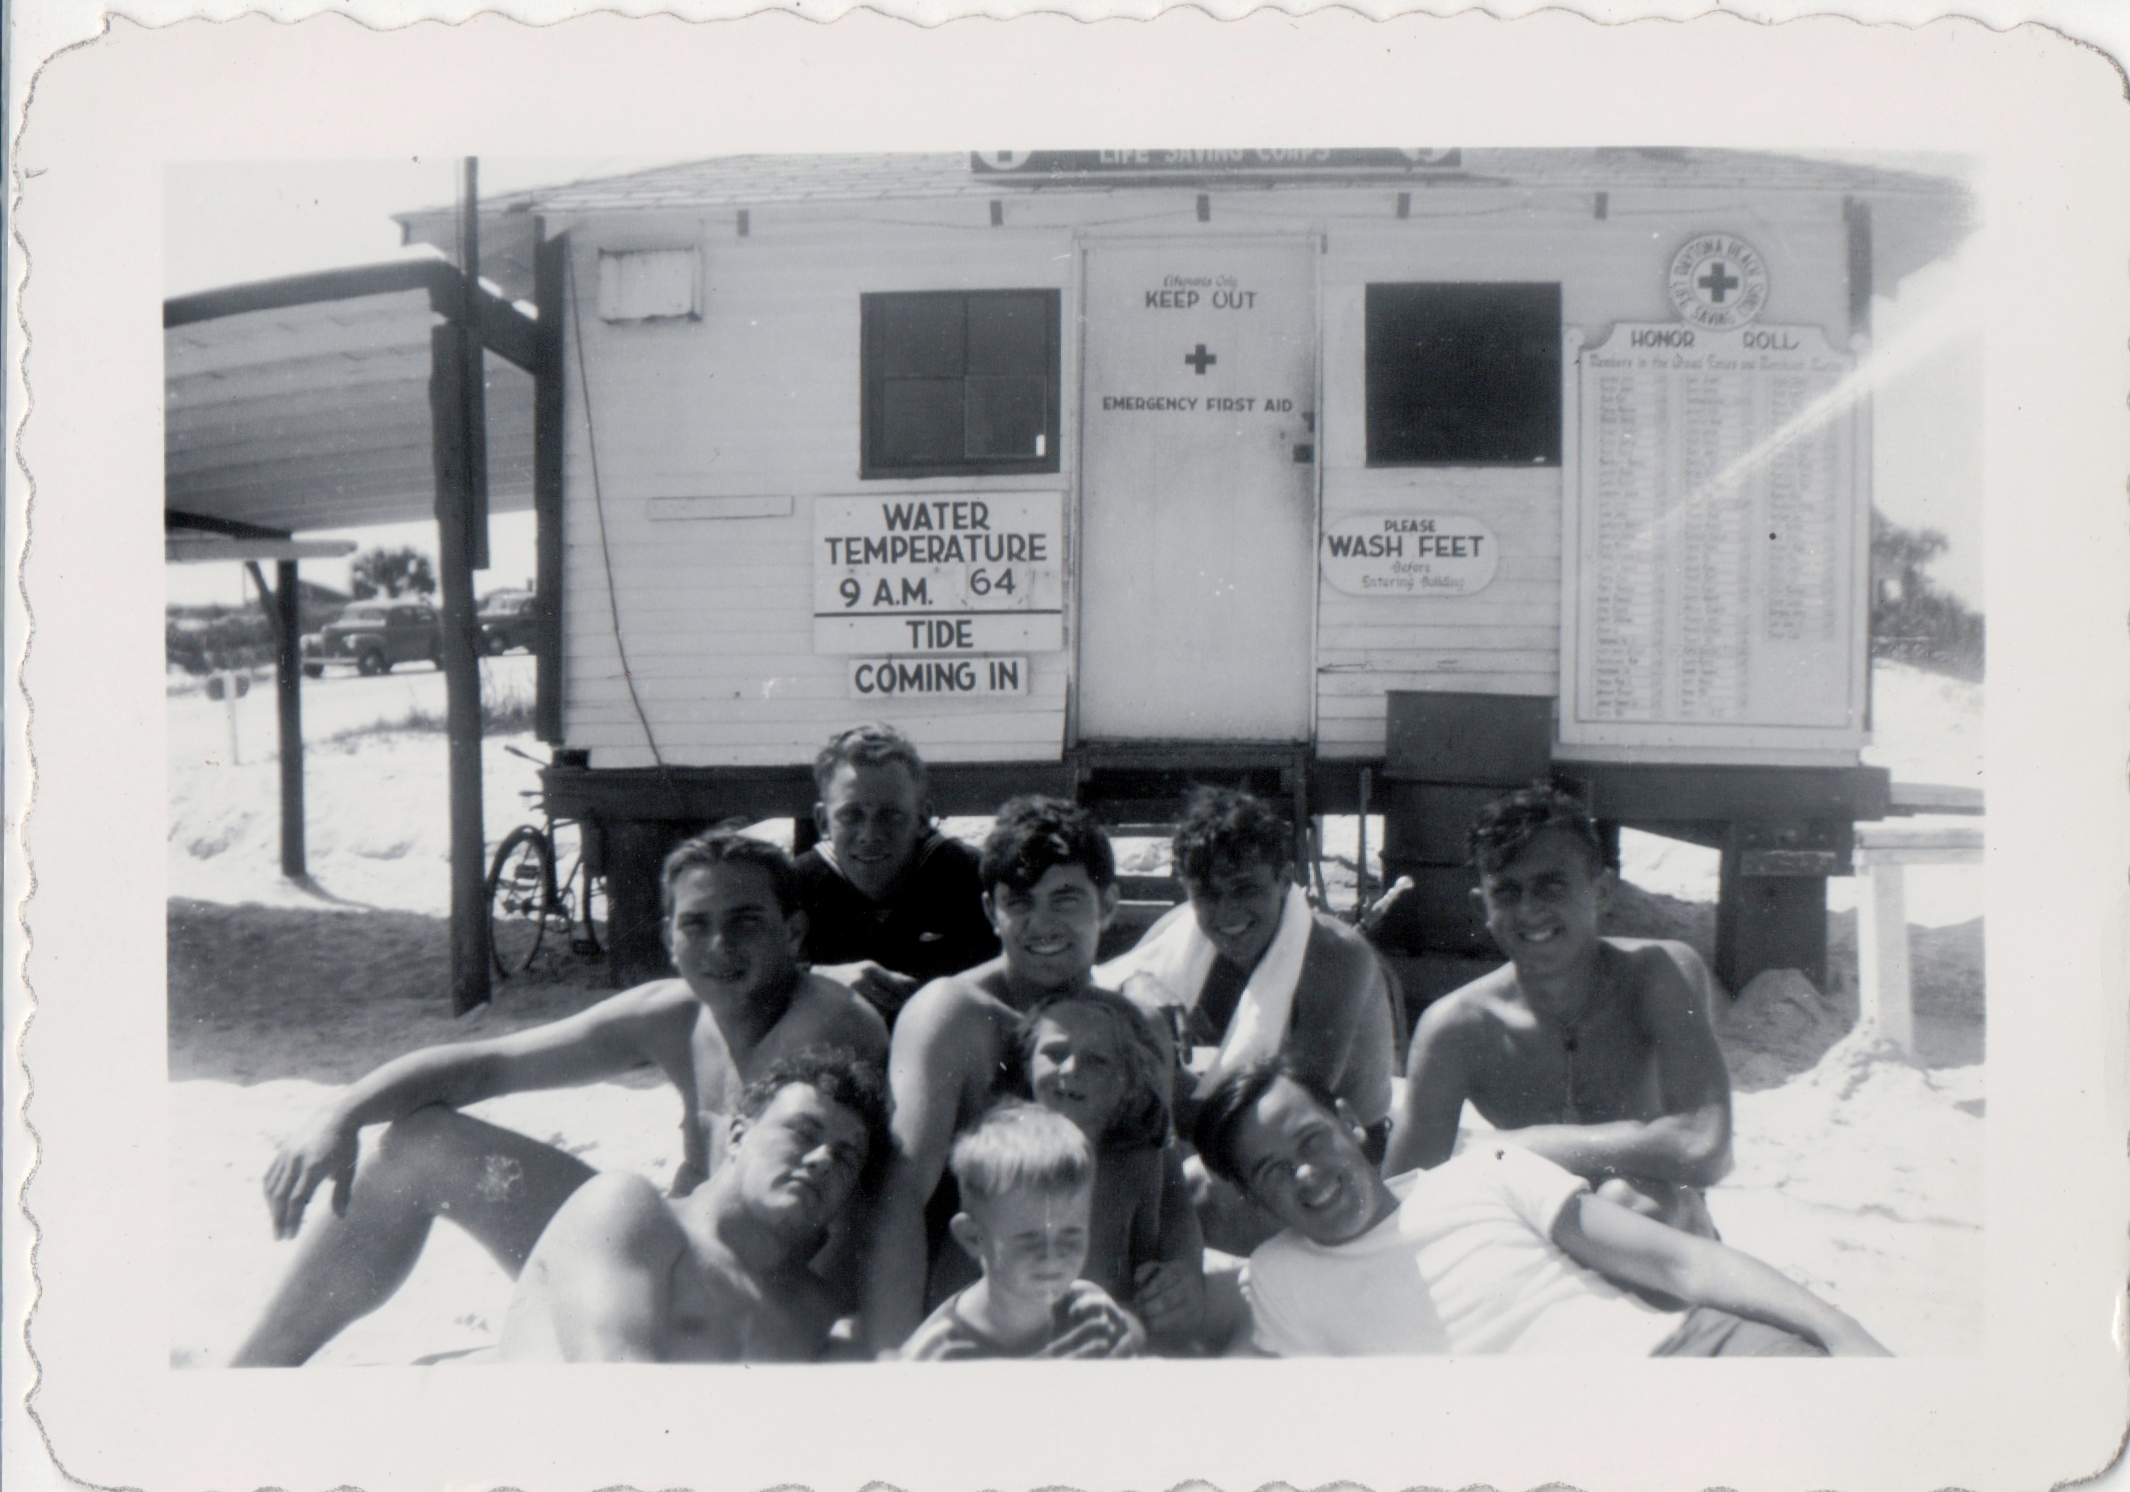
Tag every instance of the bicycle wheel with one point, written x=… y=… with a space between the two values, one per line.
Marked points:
x=521 y=898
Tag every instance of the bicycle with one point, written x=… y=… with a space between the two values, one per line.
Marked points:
x=526 y=900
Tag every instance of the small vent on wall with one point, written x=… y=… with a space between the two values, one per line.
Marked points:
x=650 y=284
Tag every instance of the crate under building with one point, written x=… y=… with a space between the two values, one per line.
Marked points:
x=1413 y=474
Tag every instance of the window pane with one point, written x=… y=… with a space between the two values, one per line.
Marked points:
x=916 y=336
x=959 y=382
x=1005 y=417
x=1464 y=374
x=1009 y=334
x=920 y=422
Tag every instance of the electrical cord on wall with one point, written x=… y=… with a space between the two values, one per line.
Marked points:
x=606 y=552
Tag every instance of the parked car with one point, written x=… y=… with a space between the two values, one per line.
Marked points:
x=374 y=635
x=508 y=621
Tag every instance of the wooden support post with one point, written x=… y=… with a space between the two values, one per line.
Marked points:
x=1768 y=921
x=473 y=391
x=462 y=669
x=284 y=612
x=550 y=292
x=1885 y=997
x=635 y=850
x=288 y=701
x=1360 y=854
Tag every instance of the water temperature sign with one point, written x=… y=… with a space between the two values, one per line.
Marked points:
x=911 y=574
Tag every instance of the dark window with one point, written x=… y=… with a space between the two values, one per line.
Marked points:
x=959 y=382
x=1464 y=375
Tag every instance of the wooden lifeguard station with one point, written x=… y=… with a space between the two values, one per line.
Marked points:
x=1396 y=476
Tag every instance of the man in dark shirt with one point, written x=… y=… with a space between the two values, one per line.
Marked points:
x=891 y=903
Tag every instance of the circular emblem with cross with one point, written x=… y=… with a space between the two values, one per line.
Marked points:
x=1718 y=281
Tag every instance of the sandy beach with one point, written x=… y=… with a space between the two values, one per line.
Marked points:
x=1858 y=1169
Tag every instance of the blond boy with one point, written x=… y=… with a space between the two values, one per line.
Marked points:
x=1026 y=1177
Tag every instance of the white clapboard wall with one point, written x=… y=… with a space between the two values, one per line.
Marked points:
x=754 y=409
x=1506 y=638
x=758 y=398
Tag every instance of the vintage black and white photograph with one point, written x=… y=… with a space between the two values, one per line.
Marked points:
x=1076 y=753
x=1287 y=770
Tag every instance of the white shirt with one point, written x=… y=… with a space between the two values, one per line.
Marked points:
x=1467 y=1264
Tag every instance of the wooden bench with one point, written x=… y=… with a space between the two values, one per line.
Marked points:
x=1885 y=993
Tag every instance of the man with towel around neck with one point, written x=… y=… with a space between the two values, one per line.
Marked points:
x=1247 y=970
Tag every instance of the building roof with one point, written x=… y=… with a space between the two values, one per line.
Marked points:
x=1928 y=208
x=740 y=180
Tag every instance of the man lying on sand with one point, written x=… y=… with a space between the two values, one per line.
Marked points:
x=742 y=1002
x=890 y=901
x=624 y=1275
x=1598 y=1053
x=1498 y=1250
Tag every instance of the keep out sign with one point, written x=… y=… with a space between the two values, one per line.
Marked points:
x=1406 y=554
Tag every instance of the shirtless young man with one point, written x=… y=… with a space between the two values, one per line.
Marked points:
x=742 y=1001
x=891 y=903
x=623 y=1274
x=1050 y=883
x=1599 y=1054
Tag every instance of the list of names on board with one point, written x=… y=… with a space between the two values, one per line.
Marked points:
x=1716 y=513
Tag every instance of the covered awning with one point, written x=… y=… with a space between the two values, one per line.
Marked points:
x=344 y=399
x=303 y=403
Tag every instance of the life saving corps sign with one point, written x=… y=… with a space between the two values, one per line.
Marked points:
x=910 y=574
x=1407 y=554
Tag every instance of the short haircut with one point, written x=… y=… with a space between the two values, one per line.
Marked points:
x=1223 y=826
x=1506 y=827
x=1234 y=1096
x=1019 y=1146
x=842 y=1078
x=726 y=845
x=1034 y=834
x=870 y=745
x=1142 y=1116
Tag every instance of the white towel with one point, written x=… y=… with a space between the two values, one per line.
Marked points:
x=1177 y=955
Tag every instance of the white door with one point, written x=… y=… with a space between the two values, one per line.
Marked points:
x=1198 y=491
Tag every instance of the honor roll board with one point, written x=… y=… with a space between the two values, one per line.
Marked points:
x=1715 y=546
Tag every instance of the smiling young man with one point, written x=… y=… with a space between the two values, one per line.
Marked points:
x=623 y=1274
x=742 y=1001
x=890 y=901
x=1247 y=970
x=1597 y=1053
x=1498 y=1250
x=1050 y=883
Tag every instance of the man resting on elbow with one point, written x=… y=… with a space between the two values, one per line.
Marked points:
x=1496 y=1251
x=626 y=1274
x=1597 y=1053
